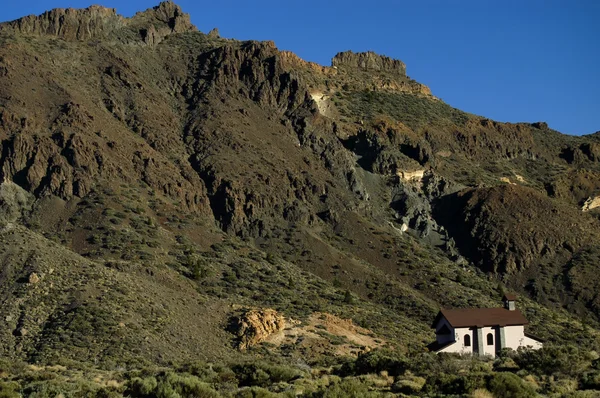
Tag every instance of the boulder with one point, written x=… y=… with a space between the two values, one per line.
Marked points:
x=255 y=326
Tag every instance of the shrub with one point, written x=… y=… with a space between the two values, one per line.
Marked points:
x=255 y=392
x=167 y=385
x=139 y=387
x=9 y=390
x=262 y=375
x=454 y=384
x=54 y=388
x=408 y=384
x=567 y=360
x=509 y=385
x=591 y=380
x=376 y=361
x=347 y=388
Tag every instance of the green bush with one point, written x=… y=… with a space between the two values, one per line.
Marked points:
x=139 y=387
x=591 y=380
x=262 y=374
x=170 y=385
x=509 y=385
x=454 y=384
x=255 y=392
x=9 y=389
x=408 y=384
x=376 y=361
x=347 y=388
x=550 y=360
x=64 y=387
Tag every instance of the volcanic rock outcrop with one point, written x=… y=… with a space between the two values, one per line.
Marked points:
x=255 y=326
x=368 y=61
x=98 y=22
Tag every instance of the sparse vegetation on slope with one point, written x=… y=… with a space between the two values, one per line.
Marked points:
x=158 y=184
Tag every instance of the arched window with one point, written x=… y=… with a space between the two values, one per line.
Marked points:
x=467 y=340
x=490 y=339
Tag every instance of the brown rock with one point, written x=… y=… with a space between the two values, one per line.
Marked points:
x=34 y=278
x=21 y=332
x=214 y=33
x=256 y=325
x=508 y=229
x=97 y=22
x=68 y=24
x=157 y=23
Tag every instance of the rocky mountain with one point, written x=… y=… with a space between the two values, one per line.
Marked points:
x=159 y=181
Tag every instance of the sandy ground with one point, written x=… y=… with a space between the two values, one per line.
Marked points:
x=319 y=331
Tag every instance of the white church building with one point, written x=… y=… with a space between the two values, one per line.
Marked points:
x=482 y=331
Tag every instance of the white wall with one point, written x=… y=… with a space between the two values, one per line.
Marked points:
x=515 y=338
x=489 y=349
x=459 y=347
x=529 y=342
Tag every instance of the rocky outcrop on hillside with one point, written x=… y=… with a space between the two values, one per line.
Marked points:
x=584 y=152
x=159 y=22
x=255 y=326
x=98 y=22
x=257 y=67
x=15 y=202
x=291 y=61
x=354 y=71
x=368 y=61
x=69 y=24
x=247 y=76
x=577 y=186
x=71 y=165
x=508 y=229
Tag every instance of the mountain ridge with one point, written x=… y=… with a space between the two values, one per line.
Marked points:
x=97 y=22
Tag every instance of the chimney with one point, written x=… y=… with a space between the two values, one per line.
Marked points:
x=509 y=301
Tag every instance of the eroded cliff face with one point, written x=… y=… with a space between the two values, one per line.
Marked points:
x=98 y=22
x=355 y=71
x=300 y=161
x=69 y=24
x=368 y=61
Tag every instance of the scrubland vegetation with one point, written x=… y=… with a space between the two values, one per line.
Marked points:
x=555 y=371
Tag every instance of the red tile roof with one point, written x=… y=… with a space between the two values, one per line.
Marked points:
x=468 y=317
x=509 y=297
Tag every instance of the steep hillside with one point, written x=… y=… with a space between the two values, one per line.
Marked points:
x=159 y=181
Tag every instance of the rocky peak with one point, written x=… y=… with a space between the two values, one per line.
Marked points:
x=167 y=16
x=368 y=61
x=98 y=22
x=69 y=23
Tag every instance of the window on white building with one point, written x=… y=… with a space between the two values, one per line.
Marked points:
x=490 y=339
x=467 y=340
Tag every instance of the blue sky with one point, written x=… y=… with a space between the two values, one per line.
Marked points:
x=510 y=60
